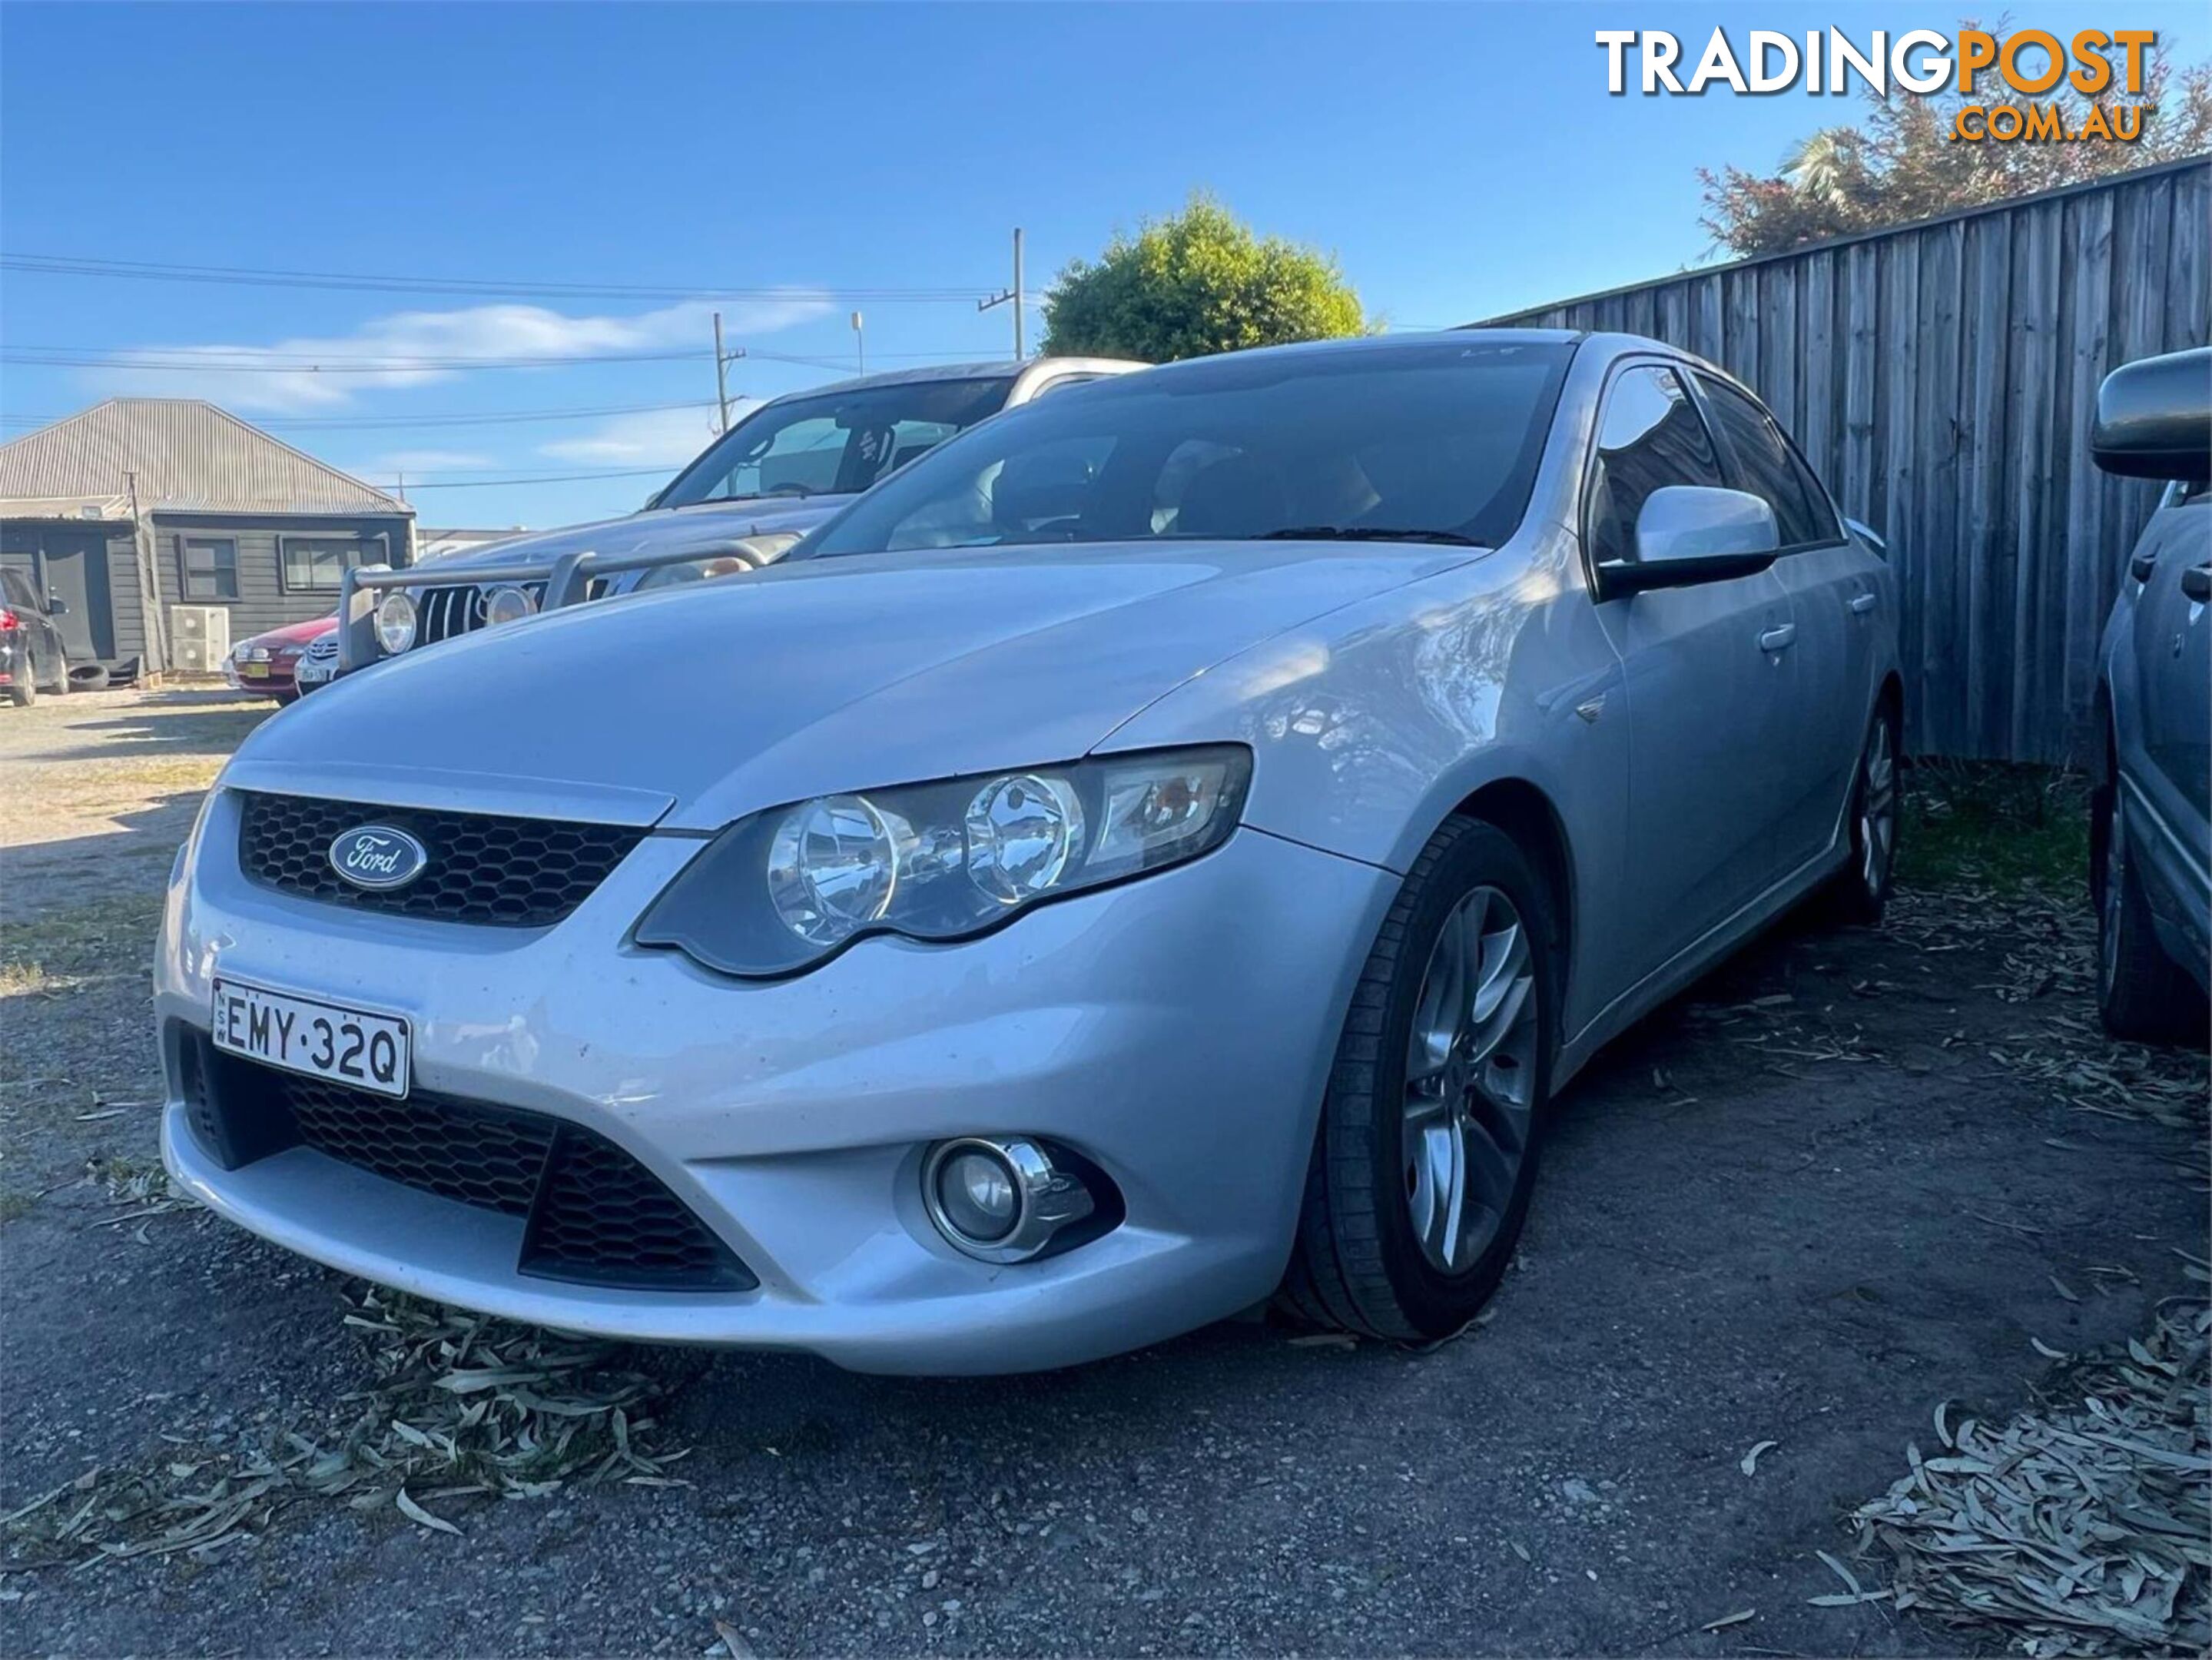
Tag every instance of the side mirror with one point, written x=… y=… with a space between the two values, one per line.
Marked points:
x=1691 y=533
x=55 y=606
x=2155 y=417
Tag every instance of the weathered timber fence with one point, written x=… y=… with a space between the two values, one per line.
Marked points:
x=1940 y=376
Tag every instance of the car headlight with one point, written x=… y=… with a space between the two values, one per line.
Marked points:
x=395 y=623
x=786 y=889
x=257 y=653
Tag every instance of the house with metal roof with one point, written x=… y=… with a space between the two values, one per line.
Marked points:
x=140 y=506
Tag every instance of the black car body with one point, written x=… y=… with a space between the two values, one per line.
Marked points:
x=31 y=656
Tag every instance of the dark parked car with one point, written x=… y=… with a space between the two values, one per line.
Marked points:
x=2151 y=835
x=31 y=656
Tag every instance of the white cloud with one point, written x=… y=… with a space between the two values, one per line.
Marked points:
x=414 y=348
x=656 y=438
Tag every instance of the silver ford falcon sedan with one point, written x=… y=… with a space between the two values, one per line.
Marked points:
x=1168 y=846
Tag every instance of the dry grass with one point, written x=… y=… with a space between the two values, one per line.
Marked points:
x=459 y=1407
x=62 y=950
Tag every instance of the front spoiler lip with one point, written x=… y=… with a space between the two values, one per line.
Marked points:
x=999 y=1328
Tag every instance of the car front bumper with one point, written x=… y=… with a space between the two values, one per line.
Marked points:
x=1177 y=1031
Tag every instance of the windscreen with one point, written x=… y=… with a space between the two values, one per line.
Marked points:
x=834 y=443
x=1434 y=440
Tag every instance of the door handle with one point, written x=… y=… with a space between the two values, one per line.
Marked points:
x=1864 y=603
x=1780 y=639
x=2140 y=565
x=2196 y=583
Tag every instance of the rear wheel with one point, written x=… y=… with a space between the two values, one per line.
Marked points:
x=23 y=689
x=2141 y=993
x=1427 y=1151
x=1863 y=888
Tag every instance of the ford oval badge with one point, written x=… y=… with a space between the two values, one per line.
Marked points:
x=377 y=857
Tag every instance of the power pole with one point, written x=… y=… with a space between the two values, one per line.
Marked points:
x=1014 y=294
x=860 y=342
x=721 y=378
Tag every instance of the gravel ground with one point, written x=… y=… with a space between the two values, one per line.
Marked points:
x=1825 y=1192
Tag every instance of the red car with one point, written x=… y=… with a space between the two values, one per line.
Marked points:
x=268 y=664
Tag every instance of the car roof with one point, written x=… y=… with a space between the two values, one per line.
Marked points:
x=1382 y=346
x=1006 y=368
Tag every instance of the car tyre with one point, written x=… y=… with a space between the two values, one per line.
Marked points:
x=1436 y=1099
x=2143 y=995
x=1862 y=889
x=60 y=683
x=23 y=691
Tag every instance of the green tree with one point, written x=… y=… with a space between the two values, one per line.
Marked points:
x=1194 y=284
x=1901 y=161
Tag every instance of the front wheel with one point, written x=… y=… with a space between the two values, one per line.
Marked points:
x=1427 y=1150
x=2142 y=993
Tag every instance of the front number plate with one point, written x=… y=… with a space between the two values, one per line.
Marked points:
x=323 y=1040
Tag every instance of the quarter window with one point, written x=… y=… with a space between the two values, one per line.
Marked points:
x=317 y=565
x=1651 y=437
x=1770 y=469
x=211 y=567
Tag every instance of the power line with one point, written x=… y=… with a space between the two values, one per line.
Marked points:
x=252 y=360
x=252 y=276
x=562 y=479
x=482 y=418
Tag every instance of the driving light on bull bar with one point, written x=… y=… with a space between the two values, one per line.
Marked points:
x=508 y=604
x=784 y=890
x=395 y=623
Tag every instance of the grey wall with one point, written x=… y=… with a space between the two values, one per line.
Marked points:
x=20 y=543
x=263 y=602
x=1941 y=377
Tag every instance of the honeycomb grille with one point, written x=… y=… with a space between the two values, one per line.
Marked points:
x=594 y=1215
x=482 y=868
x=441 y=1146
x=603 y=1216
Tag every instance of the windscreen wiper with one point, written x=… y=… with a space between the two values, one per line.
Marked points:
x=1363 y=533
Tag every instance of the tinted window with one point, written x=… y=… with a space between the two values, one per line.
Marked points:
x=211 y=567
x=18 y=591
x=1770 y=469
x=1440 y=438
x=1651 y=437
x=834 y=442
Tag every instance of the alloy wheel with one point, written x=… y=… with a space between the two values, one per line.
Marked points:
x=1470 y=1079
x=2112 y=900
x=1878 y=807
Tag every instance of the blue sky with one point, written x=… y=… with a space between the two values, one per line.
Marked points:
x=1460 y=160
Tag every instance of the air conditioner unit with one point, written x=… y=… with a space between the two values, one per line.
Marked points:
x=200 y=637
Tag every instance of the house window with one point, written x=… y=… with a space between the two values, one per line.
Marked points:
x=211 y=567
x=316 y=564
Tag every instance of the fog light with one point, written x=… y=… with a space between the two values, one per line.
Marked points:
x=1000 y=1200
x=976 y=1191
